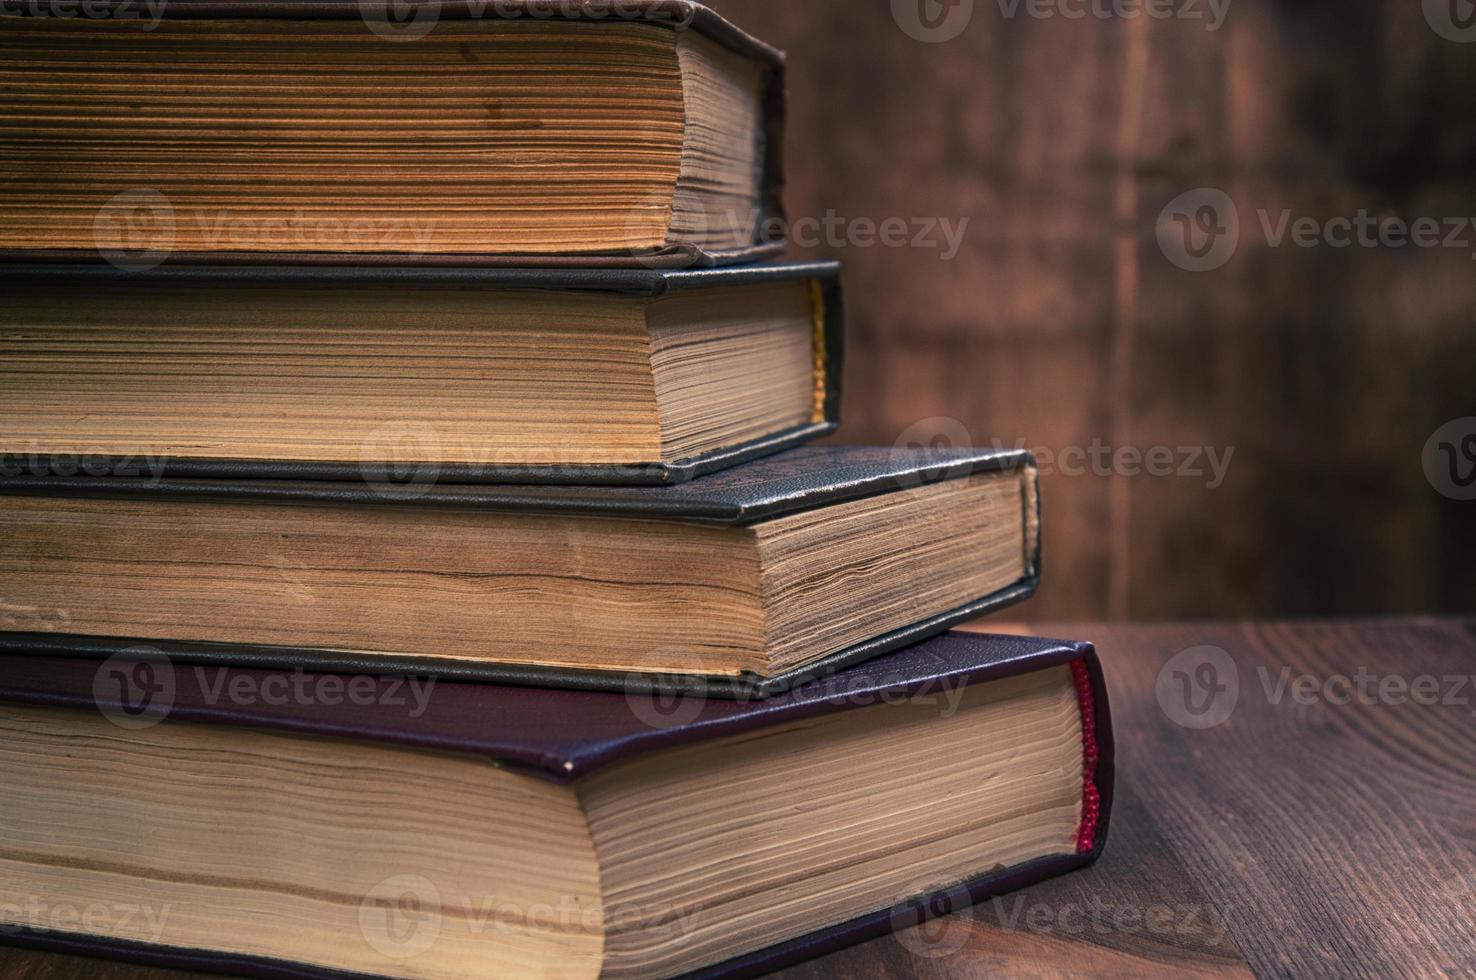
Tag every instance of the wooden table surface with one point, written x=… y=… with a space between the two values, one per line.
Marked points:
x=1289 y=803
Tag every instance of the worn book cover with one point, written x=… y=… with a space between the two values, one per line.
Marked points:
x=742 y=583
x=414 y=375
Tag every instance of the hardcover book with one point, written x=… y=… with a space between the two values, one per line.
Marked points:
x=742 y=583
x=454 y=132
x=503 y=831
x=578 y=376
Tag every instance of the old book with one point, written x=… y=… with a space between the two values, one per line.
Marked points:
x=440 y=131
x=468 y=375
x=464 y=830
x=743 y=582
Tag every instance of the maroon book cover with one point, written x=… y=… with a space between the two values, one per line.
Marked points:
x=567 y=735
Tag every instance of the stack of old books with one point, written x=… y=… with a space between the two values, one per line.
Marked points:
x=413 y=561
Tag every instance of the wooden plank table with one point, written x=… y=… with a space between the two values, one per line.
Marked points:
x=1289 y=803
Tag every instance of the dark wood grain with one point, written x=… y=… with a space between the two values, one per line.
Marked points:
x=1060 y=322
x=1294 y=839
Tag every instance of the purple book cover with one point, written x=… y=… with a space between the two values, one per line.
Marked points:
x=563 y=735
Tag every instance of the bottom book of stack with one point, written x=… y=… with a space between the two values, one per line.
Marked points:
x=289 y=824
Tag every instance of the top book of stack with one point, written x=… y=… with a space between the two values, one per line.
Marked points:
x=498 y=132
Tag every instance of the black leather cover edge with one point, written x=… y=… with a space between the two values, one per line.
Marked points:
x=101 y=467
x=676 y=14
x=650 y=283
x=676 y=258
x=695 y=502
x=638 y=282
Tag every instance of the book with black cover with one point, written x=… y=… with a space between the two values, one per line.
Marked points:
x=189 y=371
x=1032 y=712
x=563 y=133
x=835 y=554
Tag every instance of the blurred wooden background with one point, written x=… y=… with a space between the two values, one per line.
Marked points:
x=1061 y=322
